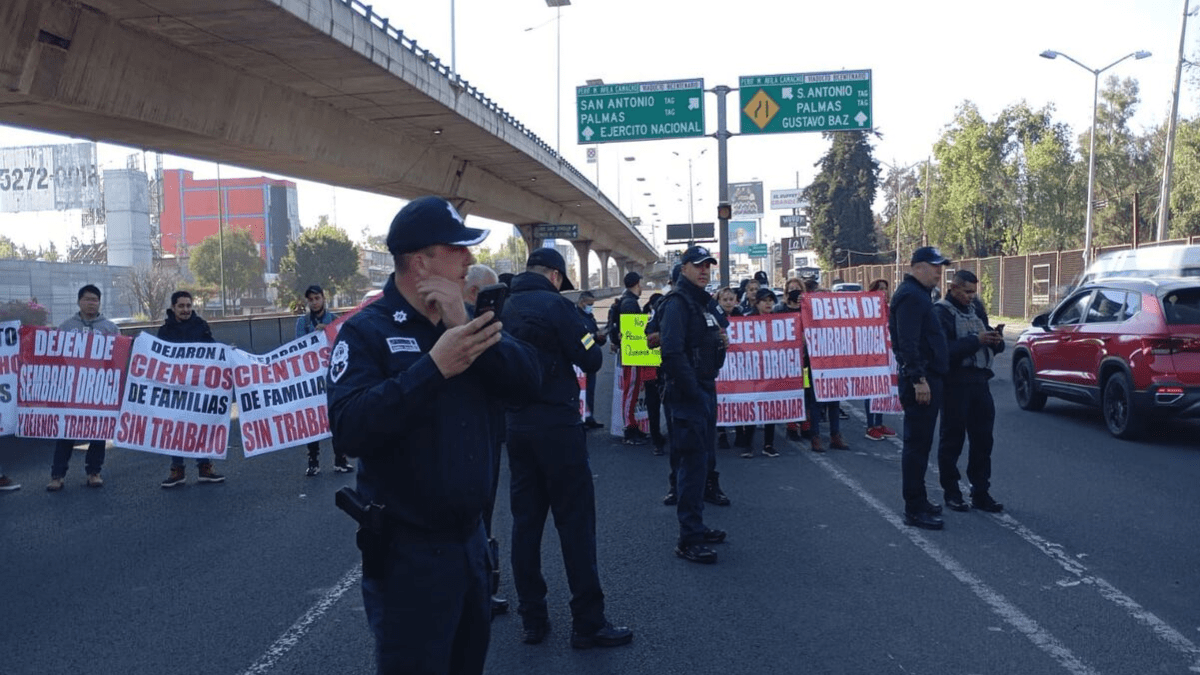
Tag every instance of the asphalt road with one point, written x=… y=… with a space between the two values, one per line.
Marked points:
x=1093 y=567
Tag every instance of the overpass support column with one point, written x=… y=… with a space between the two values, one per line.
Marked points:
x=531 y=242
x=604 y=255
x=582 y=251
x=622 y=268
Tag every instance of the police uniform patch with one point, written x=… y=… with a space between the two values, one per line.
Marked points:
x=403 y=344
x=338 y=360
x=588 y=340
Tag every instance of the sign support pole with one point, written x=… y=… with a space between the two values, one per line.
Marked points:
x=723 y=181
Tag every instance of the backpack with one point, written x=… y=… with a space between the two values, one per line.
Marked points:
x=614 y=322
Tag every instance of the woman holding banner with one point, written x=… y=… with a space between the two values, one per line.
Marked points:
x=876 y=430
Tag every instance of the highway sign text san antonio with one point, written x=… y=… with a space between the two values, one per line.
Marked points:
x=640 y=111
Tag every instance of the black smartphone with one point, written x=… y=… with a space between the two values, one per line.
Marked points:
x=491 y=299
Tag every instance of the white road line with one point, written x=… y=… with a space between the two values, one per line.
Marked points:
x=1056 y=552
x=1010 y=613
x=292 y=635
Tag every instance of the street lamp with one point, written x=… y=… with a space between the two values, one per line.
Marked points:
x=1164 y=202
x=896 y=171
x=558 y=5
x=691 y=183
x=1091 y=206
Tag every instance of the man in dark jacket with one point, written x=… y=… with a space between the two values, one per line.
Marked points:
x=693 y=351
x=921 y=355
x=968 y=409
x=586 y=305
x=548 y=460
x=316 y=318
x=628 y=304
x=184 y=325
x=412 y=378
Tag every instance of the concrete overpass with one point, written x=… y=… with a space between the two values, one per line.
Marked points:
x=318 y=89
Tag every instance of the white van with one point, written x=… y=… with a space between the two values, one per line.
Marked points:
x=1150 y=262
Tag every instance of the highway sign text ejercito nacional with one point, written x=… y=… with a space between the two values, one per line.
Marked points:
x=640 y=111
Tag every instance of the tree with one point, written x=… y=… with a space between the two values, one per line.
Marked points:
x=370 y=242
x=151 y=288
x=243 y=265
x=1185 y=181
x=841 y=195
x=324 y=256
x=1124 y=165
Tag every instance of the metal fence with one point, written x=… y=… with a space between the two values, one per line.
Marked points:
x=1010 y=286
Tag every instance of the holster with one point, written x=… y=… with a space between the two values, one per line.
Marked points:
x=373 y=536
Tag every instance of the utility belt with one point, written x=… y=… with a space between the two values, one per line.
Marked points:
x=377 y=528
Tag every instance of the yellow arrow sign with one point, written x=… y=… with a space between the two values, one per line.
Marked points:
x=761 y=109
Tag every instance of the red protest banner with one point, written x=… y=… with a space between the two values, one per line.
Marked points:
x=763 y=377
x=9 y=366
x=281 y=396
x=846 y=334
x=69 y=383
x=177 y=400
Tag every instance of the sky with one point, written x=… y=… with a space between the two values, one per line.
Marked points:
x=927 y=57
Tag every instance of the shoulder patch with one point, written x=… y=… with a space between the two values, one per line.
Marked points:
x=338 y=360
x=588 y=340
x=403 y=344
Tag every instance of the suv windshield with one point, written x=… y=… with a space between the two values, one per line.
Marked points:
x=1182 y=306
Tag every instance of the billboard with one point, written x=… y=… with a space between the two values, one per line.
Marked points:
x=787 y=199
x=746 y=199
x=683 y=232
x=742 y=234
x=49 y=178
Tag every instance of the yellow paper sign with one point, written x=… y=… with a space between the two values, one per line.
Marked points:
x=634 y=350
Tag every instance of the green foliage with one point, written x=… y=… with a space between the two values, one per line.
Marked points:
x=1185 y=181
x=513 y=249
x=28 y=313
x=243 y=264
x=323 y=255
x=841 y=195
x=1125 y=163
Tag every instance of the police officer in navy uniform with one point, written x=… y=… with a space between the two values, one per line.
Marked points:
x=548 y=458
x=411 y=380
x=693 y=351
x=923 y=359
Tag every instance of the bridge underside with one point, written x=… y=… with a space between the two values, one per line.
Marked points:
x=302 y=88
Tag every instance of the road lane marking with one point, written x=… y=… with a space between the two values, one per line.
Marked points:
x=1001 y=606
x=292 y=635
x=1056 y=552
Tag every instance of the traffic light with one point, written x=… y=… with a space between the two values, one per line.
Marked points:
x=724 y=212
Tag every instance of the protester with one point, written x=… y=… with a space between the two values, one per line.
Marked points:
x=968 y=410
x=411 y=380
x=87 y=320
x=651 y=387
x=922 y=357
x=7 y=484
x=724 y=306
x=693 y=351
x=876 y=430
x=793 y=290
x=630 y=376
x=749 y=294
x=479 y=277
x=315 y=319
x=586 y=306
x=548 y=459
x=184 y=325
x=764 y=303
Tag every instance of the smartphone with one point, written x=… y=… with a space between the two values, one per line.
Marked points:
x=491 y=299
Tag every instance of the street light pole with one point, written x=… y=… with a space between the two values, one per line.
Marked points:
x=558 y=5
x=1164 y=201
x=1091 y=206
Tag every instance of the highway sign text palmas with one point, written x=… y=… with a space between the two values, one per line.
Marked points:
x=640 y=111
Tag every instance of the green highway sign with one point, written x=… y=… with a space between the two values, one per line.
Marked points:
x=640 y=111
x=784 y=104
x=758 y=250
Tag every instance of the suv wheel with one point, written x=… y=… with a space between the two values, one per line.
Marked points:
x=1117 y=406
x=1025 y=388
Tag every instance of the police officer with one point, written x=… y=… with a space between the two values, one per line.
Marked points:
x=411 y=380
x=968 y=409
x=586 y=306
x=548 y=459
x=922 y=357
x=693 y=351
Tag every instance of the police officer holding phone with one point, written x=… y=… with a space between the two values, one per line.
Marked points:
x=548 y=459
x=411 y=380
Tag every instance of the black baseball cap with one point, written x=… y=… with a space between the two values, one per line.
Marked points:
x=929 y=254
x=313 y=289
x=427 y=221
x=548 y=257
x=632 y=279
x=696 y=255
x=765 y=294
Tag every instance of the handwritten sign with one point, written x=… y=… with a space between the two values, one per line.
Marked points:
x=634 y=349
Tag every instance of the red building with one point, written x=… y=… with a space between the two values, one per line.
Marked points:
x=264 y=206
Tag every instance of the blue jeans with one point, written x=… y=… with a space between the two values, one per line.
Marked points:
x=431 y=613
x=550 y=473
x=178 y=461
x=92 y=461
x=873 y=419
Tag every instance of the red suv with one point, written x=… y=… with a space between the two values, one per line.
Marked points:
x=1129 y=346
